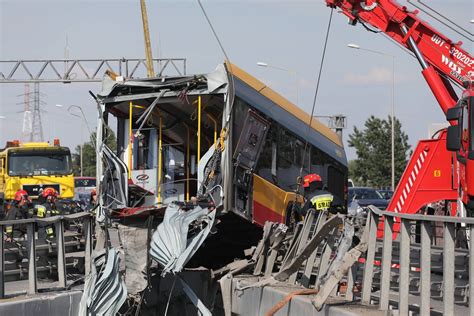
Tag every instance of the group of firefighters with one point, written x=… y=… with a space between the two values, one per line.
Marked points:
x=23 y=208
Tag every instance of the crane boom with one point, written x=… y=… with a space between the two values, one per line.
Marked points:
x=439 y=56
x=441 y=169
x=146 y=33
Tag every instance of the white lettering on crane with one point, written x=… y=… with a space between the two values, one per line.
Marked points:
x=452 y=65
x=437 y=40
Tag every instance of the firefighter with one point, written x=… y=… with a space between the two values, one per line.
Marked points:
x=93 y=199
x=20 y=209
x=46 y=209
x=316 y=197
x=2 y=209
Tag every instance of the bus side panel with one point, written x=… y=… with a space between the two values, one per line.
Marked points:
x=268 y=202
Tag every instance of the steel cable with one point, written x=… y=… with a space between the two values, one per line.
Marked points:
x=314 y=100
x=231 y=77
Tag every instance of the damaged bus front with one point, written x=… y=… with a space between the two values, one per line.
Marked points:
x=222 y=138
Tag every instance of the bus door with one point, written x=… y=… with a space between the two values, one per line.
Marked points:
x=248 y=149
x=143 y=169
x=173 y=180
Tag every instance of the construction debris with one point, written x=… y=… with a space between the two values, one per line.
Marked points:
x=104 y=290
x=171 y=246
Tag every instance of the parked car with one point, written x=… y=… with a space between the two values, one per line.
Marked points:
x=83 y=187
x=367 y=196
x=387 y=194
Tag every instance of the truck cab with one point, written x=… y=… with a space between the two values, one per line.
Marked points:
x=35 y=166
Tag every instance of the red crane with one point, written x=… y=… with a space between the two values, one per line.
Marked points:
x=440 y=168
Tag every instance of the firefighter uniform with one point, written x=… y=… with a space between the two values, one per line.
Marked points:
x=16 y=212
x=47 y=209
x=316 y=198
x=43 y=211
x=20 y=209
x=319 y=201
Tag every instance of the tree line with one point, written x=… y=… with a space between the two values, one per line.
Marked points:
x=373 y=145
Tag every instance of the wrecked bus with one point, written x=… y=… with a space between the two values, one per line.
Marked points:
x=224 y=134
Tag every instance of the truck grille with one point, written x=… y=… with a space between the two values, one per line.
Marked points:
x=35 y=189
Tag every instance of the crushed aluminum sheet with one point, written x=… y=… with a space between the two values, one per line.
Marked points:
x=170 y=245
x=104 y=290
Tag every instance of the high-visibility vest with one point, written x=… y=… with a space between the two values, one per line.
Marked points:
x=40 y=211
x=322 y=202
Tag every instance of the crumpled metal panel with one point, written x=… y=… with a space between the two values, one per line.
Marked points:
x=217 y=79
x=114 y=184
x=104 y=290
x=170 y=245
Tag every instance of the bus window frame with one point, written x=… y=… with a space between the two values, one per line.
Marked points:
x=274 y=159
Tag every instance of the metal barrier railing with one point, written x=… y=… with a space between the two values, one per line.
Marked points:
x=448 y=270
x=58 y=221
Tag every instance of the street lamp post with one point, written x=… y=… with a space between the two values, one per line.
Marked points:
x=392 y=107
x=291 y=72
x=82 y=141
x=83 y=119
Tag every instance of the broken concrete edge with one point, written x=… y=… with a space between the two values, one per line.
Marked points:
x=54 y=303
x=258 y=301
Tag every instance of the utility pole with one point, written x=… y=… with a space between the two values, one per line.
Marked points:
x=27 y=124
x=32 y=129
x=37 y=126
x=146 y=32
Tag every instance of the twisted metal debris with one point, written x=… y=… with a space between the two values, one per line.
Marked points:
x=104 y=290
x=170 y=245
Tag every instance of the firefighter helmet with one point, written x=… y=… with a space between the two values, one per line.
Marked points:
x=312 y=177
x=21 y=194
x=49 y=192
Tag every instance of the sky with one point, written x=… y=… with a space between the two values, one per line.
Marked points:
x=284 y=34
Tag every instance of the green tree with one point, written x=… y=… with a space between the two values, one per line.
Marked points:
x=89 y=154
x=352 y=165
x=373 y=166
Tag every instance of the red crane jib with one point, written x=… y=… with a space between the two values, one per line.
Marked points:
x=444 y=55
x=432 y=173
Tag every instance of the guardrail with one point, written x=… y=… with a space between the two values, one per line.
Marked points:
x=58 y=221
x=448 y=270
